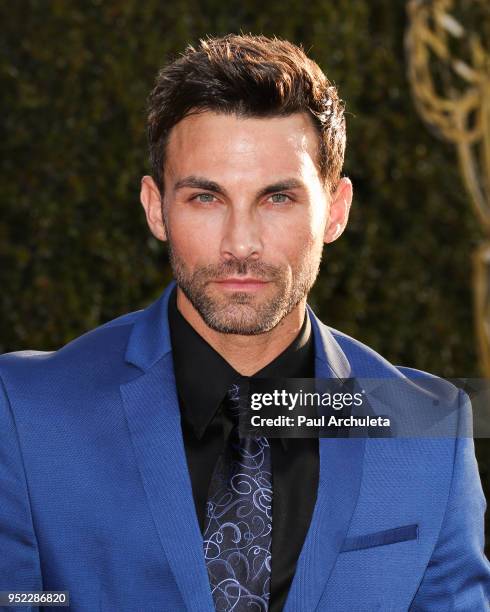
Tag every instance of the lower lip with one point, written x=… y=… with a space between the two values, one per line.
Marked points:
x=237 y=286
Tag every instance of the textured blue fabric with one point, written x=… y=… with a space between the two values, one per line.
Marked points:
x=95 y=495
x=381 y=538
x=238 y=522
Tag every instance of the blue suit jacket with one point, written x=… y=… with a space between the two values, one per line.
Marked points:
x=95 y=496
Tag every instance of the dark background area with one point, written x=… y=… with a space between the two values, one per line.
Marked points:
x=75 y=250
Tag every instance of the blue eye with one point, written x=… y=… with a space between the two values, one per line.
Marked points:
x=279 y=198
x=205 y=198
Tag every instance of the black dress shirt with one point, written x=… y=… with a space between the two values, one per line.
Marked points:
x=203 y=378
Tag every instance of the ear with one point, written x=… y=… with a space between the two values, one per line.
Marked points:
x=339 y=210
x=152 y=203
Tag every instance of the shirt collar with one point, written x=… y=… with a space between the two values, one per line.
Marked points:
x=203 y=376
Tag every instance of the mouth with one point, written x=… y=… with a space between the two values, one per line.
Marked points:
x=242 y=284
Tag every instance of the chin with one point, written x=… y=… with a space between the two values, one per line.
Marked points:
x=239 y=319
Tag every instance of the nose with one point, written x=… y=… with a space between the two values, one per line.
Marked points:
x=241 y=236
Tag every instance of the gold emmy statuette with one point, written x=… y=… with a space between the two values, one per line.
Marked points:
x=453 y=98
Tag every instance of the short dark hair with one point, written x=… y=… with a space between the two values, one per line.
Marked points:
x=251 y=76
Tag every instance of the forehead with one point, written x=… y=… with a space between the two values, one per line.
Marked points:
x=223 y=146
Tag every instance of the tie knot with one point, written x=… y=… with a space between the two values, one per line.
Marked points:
x=232 y=402
x=233 y=393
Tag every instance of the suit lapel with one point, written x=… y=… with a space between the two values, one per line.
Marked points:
x=153 y=415
x=339 y=484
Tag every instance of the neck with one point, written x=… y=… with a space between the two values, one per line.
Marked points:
x=246 y=354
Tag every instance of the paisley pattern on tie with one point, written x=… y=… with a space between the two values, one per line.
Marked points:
x=238 y=523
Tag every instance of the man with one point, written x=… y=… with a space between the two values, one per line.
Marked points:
x=125 y=479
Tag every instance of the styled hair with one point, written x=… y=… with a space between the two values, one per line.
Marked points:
x=250 y=76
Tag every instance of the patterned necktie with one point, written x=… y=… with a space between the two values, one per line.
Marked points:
x=238 y=522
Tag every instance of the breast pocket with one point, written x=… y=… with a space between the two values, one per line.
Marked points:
x=381 y=538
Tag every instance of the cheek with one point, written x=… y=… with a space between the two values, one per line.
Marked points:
x=193 y=240
x=294 y=244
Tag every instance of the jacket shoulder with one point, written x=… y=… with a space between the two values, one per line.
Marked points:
x=376 y=366
x=92 y=351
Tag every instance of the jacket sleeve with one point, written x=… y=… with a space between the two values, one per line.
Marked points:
x=19 y=554
x=458 y=574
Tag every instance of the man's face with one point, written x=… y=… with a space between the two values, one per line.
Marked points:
x=245 y=217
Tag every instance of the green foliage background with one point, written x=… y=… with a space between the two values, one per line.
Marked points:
x=74 y=247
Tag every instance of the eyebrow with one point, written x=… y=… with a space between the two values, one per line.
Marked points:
x=285 y=185
x=199 y=182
